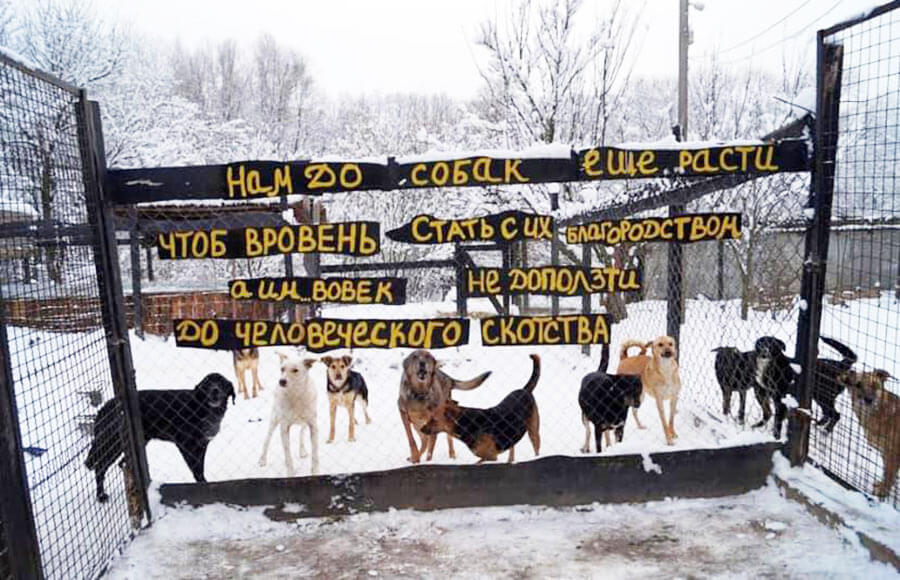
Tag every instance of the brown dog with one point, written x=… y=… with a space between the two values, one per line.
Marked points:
x=489 y=432
x=423 y=388
x=247 y=359
x=878 y=412
x=345 y=387
x=659 y=376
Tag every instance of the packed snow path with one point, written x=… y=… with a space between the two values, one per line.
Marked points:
x=754 y=535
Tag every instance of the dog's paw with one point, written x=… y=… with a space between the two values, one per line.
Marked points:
x=304 y=453
x=329 y=440
x=351 y=439
x=261 y=462
x=103 y=497
x=585 y=449
x=368 y=420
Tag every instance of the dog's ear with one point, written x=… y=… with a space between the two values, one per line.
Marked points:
x=648 y=345
x=347 y=359
x=309 y=362
x=882 y=374
x=327 y=360
x=281 y=356
x=781 y=344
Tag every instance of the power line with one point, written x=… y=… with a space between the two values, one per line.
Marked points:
x=767 y=29
x=785 y=38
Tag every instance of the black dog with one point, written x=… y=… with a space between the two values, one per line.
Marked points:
x=773 y=379
x=735 y=372
x=188 y=418
x=604 y=400
x=826 y=387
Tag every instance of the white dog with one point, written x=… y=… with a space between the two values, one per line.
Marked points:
x=294 y=403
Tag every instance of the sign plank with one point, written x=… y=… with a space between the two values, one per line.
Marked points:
x=264 y=179
x=322 y=334
x=551 y=281
x=333 y=289
x=350 y=238
x=545 y=330
x=694 y=227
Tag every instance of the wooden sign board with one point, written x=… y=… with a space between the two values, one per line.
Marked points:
x=507 y=226
x=350 y=238
x=551 y=281
x=262 y=179
x=322 y=334
x=319 y=290
x=695 y=227
x=545 y=330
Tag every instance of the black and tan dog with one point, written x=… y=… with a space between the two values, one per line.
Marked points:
x=773 y=379
x=345 y=387
x=604 y=400
x=827 y=387
x=423 y=388
x=189 y=418
x=878 y=412
x=489 y=432
x=247 y=359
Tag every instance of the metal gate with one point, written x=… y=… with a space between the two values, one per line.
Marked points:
x=859 y=163
x=62 y=338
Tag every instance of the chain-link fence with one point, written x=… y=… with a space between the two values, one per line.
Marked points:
x=735 y=292
x=53 y=313
x=858 y=439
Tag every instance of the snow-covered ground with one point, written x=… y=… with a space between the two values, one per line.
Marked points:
x=758 y=534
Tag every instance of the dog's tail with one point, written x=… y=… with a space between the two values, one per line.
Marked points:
x=623 y=351
x=470 y=384
x=846 y=352
x=535 y=373
x=604 y=358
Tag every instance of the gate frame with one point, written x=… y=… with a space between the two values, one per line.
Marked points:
x=829 y=64
x=112 y=301
x=16 y=511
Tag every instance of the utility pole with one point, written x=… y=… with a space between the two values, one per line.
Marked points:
x=675 y=282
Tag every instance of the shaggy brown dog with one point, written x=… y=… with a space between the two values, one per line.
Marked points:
x=423 y=388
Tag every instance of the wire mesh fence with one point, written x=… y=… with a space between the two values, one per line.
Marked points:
x=858 y=408
x=58 y=356
x=358 y=402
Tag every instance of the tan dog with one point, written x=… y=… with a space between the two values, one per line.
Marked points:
x=247 y=359
x=345 y=387
x=878 y=412
x=424 y=388
x=659 y=376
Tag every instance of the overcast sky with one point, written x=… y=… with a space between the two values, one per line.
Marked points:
x=361 y=46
